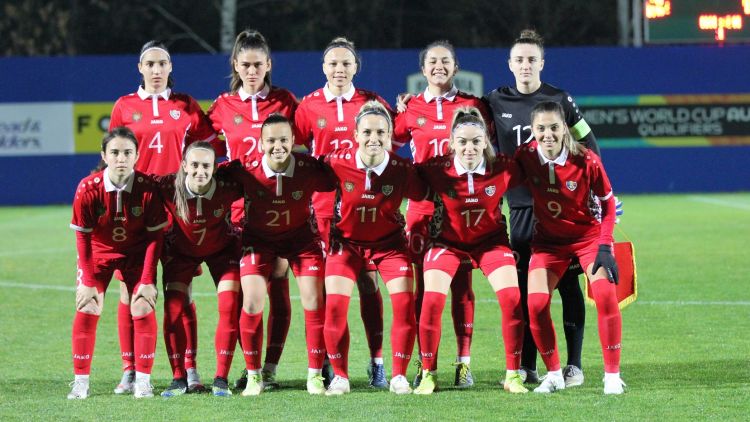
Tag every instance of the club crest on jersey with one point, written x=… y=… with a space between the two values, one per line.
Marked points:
x=452 y=193
x=321 y=122
x=137 y=116
x=421 y=120
x=348 y=186
x=490 y=190
x=218 y=212
x=175 y=114
x=571 y=185
x=387 y=190
x=136 y=211
x=297 y=195
x=237 y=119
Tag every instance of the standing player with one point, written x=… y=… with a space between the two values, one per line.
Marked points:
x=468 y=225
x=164 y=123
x=239 y=115
x=278 y=189
x=575 y=211
x=511 y=107
x=325 y=121
x=425 y=124
x=118 y=220
x=369 y=227
x=199 y=203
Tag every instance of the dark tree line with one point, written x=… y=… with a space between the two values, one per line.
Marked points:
x=78 y=27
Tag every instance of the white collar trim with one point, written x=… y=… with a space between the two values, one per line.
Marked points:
x=560 y=160
x=461 y=170
x=145 y=95
x=270 y=173
x=347 y=95
x=110 y=187
x=262 y=94
x=379 y=169
x=450 y=95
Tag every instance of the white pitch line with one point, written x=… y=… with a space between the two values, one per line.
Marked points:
x=722 y=202
x=32 y=286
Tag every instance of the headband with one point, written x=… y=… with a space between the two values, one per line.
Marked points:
x=480 y=126
x=140 y=59
x=346 y=46
x=374 y=112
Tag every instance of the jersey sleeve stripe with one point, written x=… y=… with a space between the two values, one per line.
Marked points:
x=580 y=130
x=156 y=228
x=81 y=229
x=606 y=197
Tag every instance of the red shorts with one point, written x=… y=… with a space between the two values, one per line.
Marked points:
x=557 y=258
x=130 y=267
x=303 y=253
x=488 y=258
x=347 y=259
x=417 y=232
x=223 y=265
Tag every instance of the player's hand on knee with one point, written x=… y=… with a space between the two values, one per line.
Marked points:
x=618 y=210
x=605 y=259
x=86 y=295
x=148 y=293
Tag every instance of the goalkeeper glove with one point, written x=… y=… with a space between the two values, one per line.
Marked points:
x=605 y=259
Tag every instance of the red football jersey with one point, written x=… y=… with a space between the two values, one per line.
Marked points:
x=209 y=228
x=163 y=123
x=278 y=204
x=326 y=122
x=468 y=205
x=372 y=213
x=118 y=220
x=562 y=190
x=426 y=123
x=240 y=116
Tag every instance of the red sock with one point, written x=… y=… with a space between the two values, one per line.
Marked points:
x=403 y=331
x=279 y=318
x=144 y=329
x=316 y=346
x=509 y=299
x=371 y=309
x=462 y=310
x=336 y=333
x=125 y=331
x=190 y=322
x=418 y=297
x=251 y=331
x=84 y=338
x=430 y=328
x=175 y=338
x=609 y=320
x=227 y=330
x=540 y=323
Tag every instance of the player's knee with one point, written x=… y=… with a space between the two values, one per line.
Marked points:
x=140 y=307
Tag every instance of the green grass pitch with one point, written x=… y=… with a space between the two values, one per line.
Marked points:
x=686 y=353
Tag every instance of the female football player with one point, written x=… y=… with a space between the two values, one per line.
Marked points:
x=425 y=124
x=369 y=227
x=164 y=122
x=199 y=199
x=468 y=225
x=575 y=212
x=511 y=107
x=239 y=115
x=118 y=219
x=278 y=188
x=325 y=121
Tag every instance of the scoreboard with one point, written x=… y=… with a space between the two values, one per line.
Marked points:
x=696 y=21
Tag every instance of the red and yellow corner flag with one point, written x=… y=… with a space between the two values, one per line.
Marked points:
x=627 y=288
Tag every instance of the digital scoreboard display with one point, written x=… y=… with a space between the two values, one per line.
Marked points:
x=696 y=21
